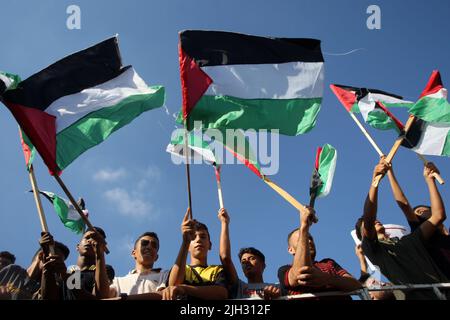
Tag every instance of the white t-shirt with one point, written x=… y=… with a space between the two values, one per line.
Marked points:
x=137 y=283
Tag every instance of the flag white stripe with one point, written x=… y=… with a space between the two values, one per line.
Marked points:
x=433 y=139
x=71 y=108
x=6 y=80
x=290 y=80
x=441 y=94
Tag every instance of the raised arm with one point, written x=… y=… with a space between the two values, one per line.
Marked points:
x=225 y=247
x=302 y=255
x=400 y=197
x=101 y=288
x=178 y=271
x=371 y=204
x=438 y=214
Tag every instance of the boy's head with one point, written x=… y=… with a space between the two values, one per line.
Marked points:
x=422 y=212
x=201 y=242
x=293 y=240
x=253 y=262
x=146 y=248
x=379 y=228
x=85 y=247
x=6 y=258
x=61 y=250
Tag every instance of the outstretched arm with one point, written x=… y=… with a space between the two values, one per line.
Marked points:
x=177 y=273
x=438 y=214
x=400 y=197
x=225 y=247
x=371 y=204
x=302 y=255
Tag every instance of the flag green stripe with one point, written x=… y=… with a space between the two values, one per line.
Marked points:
x=432 y=110
x=327 y=165
x=380 y=120
x=99 y=125
x=290 y=116
x=446 y=150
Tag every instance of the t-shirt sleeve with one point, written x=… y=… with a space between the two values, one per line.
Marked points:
x=220 y=280
x=115 y=286
x=283 y=278
x=338 y=270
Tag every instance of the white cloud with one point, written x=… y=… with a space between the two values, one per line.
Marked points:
x=109 y=175
x=127 y=204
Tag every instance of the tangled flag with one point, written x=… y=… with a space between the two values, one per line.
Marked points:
x=323 y=173
x=78 y=102
x=430 y=134
x=371 y=103
x=232 y=80
x=66 y=212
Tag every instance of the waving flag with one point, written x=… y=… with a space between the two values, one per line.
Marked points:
x=371 y=104
x=199 y=149
x=430 y=134
x=8 y=81
x=79 y=101
x=29 y=151
x=232 y=80
x=324 y=168
x=66 y=212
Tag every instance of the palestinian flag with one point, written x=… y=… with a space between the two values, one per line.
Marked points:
x=199 y=149
x=238 y=81
x=79 y=101
x=323 y=173
x=430 y=133
x=8 y=81
x=29 y=151
x=371 y=103
x=67 y=213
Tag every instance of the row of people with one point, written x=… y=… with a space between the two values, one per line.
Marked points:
x=422 y=257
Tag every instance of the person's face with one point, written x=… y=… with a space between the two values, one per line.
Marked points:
x=293 y=244
x=85 y=247
x=252 y=265
x=146 y=251
x=423 y=212
x=379 y=228
x=200 y=245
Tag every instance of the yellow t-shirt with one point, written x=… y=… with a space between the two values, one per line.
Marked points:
x=204 y=276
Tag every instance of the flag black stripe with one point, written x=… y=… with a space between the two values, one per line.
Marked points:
x=212 y=48
x=76 y=72
x=414 y=134
x=362 y=92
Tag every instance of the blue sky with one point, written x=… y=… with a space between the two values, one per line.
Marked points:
x=131 y=186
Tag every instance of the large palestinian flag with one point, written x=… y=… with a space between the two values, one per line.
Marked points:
x=430 y=134
x=238 y=81
x=78 y=102
x=373 y=104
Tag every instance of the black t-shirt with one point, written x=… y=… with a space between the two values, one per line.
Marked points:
x=438 y=247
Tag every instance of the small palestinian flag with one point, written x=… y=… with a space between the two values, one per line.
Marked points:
x=199 y=149
x=238 y=81
x=323 y=173
x=430 y=133
x=370 y=103
x=8 y=81
x=67 y=213
x=78 y=102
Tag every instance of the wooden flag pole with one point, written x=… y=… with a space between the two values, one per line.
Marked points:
x=76 y=206
x=188 y=174
x=364 y=131
x=37 y=199
x=219 y=187
x=435 y=175
x=395 y=147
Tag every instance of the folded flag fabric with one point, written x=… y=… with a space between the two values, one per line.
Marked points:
x=29 y=151
x=430 y=133
x=79 y=101
x=324 y=169
x=67 y=213
x=199 y=149
x=8 y=81
x=370 y=103
x=232 y=80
